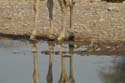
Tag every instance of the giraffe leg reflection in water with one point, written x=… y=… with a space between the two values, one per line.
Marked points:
x=71 y=75
x=36 y=65
x=49 y=77
x=63 y=77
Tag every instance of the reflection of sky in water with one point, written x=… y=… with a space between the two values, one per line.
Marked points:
x=16 y=64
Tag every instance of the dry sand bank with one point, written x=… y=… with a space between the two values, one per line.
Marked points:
x=96 y=21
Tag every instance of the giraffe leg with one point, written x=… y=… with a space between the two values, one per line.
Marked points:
x=64 y=6
x=63 y=32
x=36 y=11
x=50 y=9
x=71 y=6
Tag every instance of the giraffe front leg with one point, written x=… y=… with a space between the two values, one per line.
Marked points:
x=71 y=7
x=36 y=17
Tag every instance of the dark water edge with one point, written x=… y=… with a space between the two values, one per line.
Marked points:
x=16 y=63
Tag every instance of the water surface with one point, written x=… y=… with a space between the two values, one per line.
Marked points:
x=56 y=65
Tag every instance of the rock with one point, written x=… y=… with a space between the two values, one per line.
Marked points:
x=113 y=9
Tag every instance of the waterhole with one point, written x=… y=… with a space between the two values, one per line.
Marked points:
x=67 y=63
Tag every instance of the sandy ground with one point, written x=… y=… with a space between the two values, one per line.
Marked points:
x=95 y=21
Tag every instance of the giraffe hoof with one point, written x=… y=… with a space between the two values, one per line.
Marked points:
x=32 y=38
x=60 y=40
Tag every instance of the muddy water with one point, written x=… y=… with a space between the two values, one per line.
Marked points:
x=57 y=64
